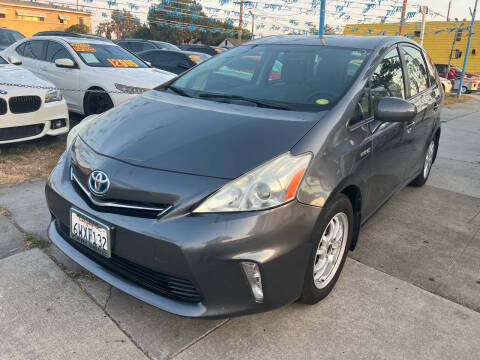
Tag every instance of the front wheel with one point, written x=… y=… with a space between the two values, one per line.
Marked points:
x=422 y=178
x=97 y=102
x=332 y=237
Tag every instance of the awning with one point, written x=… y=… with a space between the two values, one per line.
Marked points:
x=64 y=17
x=30 y=13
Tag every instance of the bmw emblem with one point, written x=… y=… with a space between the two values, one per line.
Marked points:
x=98 y=182
x=3 y=92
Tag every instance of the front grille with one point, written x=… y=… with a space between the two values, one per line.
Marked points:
x=3 y=107
x=123 y=207
x=24 y=104
x=20 y=132
x=162 y=284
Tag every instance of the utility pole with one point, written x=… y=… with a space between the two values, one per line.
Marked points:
x=448 y=12
x=402 y=20
x=240 y=21
x=451 y=50
x=424 y=15
x=321 y=27
x=253 y=24
x=459 y=90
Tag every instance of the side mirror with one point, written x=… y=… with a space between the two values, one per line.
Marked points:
x=391 y=109
x=65 y=63
x=14 y=60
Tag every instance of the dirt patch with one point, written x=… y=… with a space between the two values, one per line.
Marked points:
x=452 y=99
x=27 y=160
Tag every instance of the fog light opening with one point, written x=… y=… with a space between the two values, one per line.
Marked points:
x=57 y=124
x=252 y=271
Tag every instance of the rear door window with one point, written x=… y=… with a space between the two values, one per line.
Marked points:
x=34 y=49
x=20 y=49
x=416 y=68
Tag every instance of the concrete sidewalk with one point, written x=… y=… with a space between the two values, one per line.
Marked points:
x=44 y=315
x=369 y=315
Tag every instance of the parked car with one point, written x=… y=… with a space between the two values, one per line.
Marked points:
x=8 y=37
x=173 y=61
x=468 y=84
x=138 y=45
x=237 y=195
x=71 y=34
x=454 y=73
x=199 y=48
x=29 y=112
x=94 y=75
x=446 y=84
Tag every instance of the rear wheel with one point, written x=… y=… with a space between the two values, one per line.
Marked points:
x=332 y=237
x=97 y=101
x=422 y=178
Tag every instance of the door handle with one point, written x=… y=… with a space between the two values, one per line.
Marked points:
x=410 y=125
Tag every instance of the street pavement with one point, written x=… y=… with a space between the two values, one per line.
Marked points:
x=411 y=289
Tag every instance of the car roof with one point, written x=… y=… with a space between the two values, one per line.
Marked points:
x=70 y=39
x=166 y=51
x=350 y=41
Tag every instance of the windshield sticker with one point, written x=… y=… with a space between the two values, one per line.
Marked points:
x=123 y=63
x=82 y=47
x=321 y=101
x=90 y=58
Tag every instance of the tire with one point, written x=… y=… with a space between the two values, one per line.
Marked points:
x=429 y=158
x=97 y=102
x=340 y=208
x=464 y=90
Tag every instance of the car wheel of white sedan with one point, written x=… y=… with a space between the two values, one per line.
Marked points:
x=97 y=102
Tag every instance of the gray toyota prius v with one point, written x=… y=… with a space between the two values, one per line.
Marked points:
x=241 y=185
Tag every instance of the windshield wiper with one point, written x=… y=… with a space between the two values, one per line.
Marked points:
x=260 y=103
x=178 y=90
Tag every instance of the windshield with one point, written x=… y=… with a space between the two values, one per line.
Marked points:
x=8 y=37
x=299 y=77
x=106 y=55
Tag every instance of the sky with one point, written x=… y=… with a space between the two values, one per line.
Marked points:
x=286 y=16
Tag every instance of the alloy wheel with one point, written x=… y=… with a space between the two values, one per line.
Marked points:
x=330 y=250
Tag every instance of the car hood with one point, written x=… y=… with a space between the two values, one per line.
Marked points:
x=148 y=78
x=169 y=132
x=19 y=75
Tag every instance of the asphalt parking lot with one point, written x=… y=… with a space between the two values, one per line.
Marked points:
x=411 y=289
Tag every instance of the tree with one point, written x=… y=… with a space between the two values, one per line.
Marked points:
x=78 y=29
x=122 y=24
x=188 y=23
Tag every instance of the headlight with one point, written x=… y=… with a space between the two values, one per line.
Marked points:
x=130 y=89
x=266 y=186
x=53 y=95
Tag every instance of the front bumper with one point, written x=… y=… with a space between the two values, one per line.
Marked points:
x=42 y=117
x=205 y=250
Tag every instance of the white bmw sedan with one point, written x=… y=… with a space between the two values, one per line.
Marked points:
x=29 y=113
x=93 y=75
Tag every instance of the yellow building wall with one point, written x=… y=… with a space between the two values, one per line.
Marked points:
x=437 y=41
x=29 y=25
